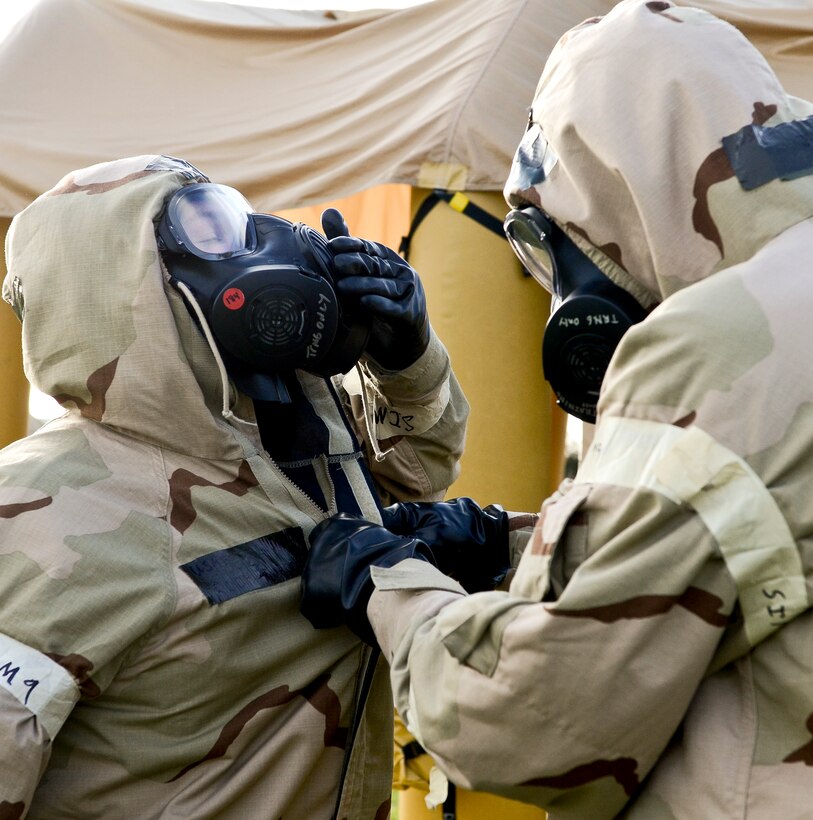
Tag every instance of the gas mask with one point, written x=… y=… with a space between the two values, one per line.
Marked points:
x=263 y=286
x=589 y=312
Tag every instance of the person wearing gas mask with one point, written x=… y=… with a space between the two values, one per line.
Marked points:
x=153 y=659
x=651 y=658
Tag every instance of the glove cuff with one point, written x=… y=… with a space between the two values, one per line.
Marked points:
x=356 y=591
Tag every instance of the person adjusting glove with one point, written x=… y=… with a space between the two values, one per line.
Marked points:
x=383 y=284
x=464 y=541
x=472 y=541
x=652 y=656
x=337 y=581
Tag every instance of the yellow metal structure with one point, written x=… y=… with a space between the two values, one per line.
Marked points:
x=411 y=782
x=13 y=384
x=469 y=806
x=491 y=318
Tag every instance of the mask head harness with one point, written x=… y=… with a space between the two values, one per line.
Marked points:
x=264 y=285
x=589 y=312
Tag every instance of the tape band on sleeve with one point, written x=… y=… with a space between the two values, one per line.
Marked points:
x=689 y=467
x=389 y=418
x=41 y=685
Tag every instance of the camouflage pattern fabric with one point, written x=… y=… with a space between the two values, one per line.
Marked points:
x=652 y=656
x=153 y=660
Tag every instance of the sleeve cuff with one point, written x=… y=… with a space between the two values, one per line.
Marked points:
x=419 y=382
x=413 y=574
x=407 y=402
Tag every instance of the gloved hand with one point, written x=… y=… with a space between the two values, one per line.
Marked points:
x=469 y=543
x=336 y=580
x=381 y=282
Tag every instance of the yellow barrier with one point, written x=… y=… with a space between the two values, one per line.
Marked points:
x=411 y=781
x=13 y=384
x=491 y=318
x=469 y=806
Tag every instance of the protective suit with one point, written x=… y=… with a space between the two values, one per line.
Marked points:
x=153 y=660
x=652 y=658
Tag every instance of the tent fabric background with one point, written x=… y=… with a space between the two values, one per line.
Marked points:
x=292 y=108
x=301 y=107
x=781 y=29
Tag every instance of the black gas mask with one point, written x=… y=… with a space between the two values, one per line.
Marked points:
x=589 y=313
x=264 y=286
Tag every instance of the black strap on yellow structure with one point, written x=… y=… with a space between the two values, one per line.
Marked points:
x=449 y=811
x=461 y=203
x=412 y=750
x=450 y=804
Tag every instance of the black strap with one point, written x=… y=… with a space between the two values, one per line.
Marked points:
x=412 y=750
x=450 y=803
x=461 y=203
x=361 y=702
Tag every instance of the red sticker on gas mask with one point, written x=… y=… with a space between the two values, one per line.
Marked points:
x=234 y=298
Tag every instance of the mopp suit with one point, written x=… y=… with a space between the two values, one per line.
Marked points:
x=153 y=660
x=653 y=657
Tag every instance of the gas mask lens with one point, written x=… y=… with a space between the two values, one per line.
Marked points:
x=211 y=221
x=528 y=232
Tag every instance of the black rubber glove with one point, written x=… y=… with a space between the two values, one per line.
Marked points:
x=381 y=282
x=336 y=580
x=469 y=543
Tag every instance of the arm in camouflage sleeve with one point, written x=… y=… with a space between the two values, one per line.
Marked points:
x=566 y=704
x=420 y=413
x=24 y=752
x=36 y=695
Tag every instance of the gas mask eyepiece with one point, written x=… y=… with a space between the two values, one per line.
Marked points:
x=589 y=312
x=208 y=220
x=528 y=231
x=264 y=285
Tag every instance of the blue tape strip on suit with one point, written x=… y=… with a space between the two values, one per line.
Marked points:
x=263 y=562
x=760 y=154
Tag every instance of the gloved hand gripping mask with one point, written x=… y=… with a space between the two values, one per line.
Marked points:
x=383 y=285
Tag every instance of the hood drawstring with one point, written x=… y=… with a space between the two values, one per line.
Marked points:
x=224 y=376
x=364 y=377
x=366 y=380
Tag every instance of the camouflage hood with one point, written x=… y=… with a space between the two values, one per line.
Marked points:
x=103 y=332
x=613 y=145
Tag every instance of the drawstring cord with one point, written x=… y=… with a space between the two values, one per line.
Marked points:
x=365 y=380
x=224 y=376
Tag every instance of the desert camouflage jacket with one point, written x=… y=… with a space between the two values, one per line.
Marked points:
x=653 y=657
x=153 y=661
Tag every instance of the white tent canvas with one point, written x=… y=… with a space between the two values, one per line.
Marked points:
x=302 y=107
x=290 y=107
